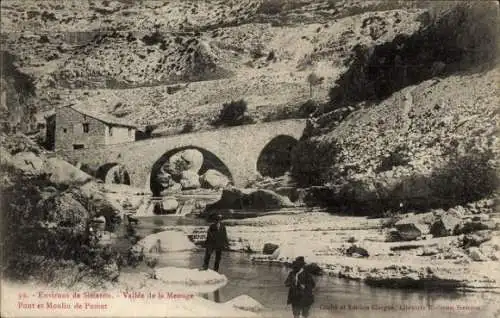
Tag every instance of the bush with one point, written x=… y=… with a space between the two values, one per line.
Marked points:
x=308 y=108
x=233 y=113
x=465 y=178
x=187 y=128
x=398 y=157
x=313 y=162
x=271 y=7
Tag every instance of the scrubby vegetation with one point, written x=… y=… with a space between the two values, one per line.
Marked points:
x=377 y=72
x=233 y=113
x=466 y=177
x=37 y=232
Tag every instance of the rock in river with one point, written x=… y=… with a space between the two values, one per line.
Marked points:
x=189 y=180
x=445 y=226
x=409 y=231
x=234 y=198
x=166 y=241
x=269 y=248
x=245 y=302
x=214 y=179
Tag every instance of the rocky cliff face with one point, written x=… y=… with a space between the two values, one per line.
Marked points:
x=16 y=94
x=167 y=63
x=415 y=119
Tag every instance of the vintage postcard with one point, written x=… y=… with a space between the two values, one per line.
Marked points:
x=249 y=158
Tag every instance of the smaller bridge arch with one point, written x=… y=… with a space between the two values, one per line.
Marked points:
x=113 y=172
x=275 y=158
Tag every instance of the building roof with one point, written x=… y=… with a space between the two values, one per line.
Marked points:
x=105 y=118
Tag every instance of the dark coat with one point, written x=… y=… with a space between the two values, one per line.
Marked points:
x=304 y=298
x=217 y=239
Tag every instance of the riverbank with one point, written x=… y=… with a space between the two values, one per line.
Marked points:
x=426 y=263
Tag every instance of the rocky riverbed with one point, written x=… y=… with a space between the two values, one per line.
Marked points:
x=364 y=249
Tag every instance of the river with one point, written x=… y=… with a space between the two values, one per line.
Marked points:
x=335 y=297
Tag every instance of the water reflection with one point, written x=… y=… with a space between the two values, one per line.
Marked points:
x=266 y=285
x=215 y=296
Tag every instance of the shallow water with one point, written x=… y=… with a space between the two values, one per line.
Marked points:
x=334 y=297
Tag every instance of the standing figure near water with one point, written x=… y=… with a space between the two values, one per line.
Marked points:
x=300 y=294
x=216 y=241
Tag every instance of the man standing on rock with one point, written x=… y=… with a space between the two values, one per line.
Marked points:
x=216 y=241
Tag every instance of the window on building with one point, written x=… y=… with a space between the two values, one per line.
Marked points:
x=65 y=130
x=110 y=131
x=85 y=127
x=78 y=146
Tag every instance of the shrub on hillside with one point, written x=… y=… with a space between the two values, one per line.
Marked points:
x=466 y=178
x=271 y=6
x=233 y=113
x=308 y=108
x=397 y=157
x=187 y=128
x=313 y=162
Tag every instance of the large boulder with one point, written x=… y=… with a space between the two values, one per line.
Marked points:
x=234 y=198
x=169 y=204
x=185 y=160
x=194 y=158
x=476 y=238
x=476 y=255
x=28 y=162
x=356 y=251
x=245 y=302
x=269 y=248
x=94 y=196
x=65 y=210
x=214 y=179
x=470 y=226
x=62 y=172
x=191 y=277
x=410 y=229
x=289 y=252
x=445 y=226
x=189 y=180
x=166 y=241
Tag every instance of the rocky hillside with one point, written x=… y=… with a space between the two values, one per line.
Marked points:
x=433 y=141
x=147 y=62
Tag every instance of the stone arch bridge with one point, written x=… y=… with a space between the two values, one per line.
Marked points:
x=240 y=152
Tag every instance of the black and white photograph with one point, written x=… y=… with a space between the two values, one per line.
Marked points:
x=249 y=158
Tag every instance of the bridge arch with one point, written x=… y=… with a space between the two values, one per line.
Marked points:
x=210 y=161
x=113 y=172
x=275 y=158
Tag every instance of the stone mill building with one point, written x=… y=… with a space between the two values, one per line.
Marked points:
x=78 y=128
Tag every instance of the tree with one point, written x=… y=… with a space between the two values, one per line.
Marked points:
x=233 y=113
x=313 y=80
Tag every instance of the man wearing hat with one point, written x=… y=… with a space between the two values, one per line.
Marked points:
x=216 y=241
x=301 y=283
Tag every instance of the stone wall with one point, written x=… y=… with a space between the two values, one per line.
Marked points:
x=117 y=135
x=69 y=130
